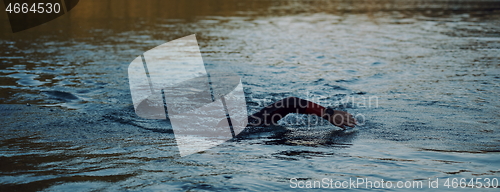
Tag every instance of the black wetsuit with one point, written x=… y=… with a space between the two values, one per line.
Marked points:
x=271 y=114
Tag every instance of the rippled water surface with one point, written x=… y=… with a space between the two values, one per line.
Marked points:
x=421 y=76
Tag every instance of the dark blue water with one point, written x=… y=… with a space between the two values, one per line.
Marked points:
x=424 y=85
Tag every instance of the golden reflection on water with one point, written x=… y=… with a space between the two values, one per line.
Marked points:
x=122 y=15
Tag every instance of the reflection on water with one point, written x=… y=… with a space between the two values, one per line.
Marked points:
x=434 y=67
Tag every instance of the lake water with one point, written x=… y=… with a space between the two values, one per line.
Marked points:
x=422 y=77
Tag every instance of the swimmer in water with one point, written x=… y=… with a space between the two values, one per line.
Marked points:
x=271 y=114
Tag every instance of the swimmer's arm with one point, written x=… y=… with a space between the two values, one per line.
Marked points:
x=341 y=119
x=276 y=111
x=338 y=118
